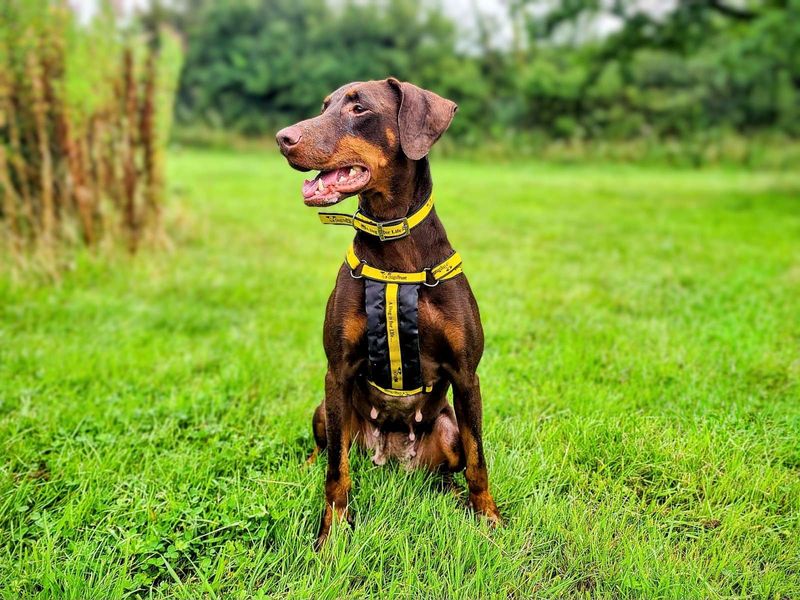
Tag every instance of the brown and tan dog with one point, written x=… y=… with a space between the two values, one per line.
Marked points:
x=372 y=139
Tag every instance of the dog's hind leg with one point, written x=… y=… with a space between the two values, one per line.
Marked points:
x=318 y=428
x=441 y=450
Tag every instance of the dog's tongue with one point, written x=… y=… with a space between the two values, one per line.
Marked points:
x=311 y=186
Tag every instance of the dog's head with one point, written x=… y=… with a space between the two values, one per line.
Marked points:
x=367 y=132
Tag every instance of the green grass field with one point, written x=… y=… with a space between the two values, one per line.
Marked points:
x=641 y=388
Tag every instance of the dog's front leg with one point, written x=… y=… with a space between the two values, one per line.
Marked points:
x=469 y=413
x=338 y=391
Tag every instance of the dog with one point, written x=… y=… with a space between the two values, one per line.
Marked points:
x=401 y=287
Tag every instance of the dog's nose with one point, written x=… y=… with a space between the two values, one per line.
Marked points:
x=288 y=137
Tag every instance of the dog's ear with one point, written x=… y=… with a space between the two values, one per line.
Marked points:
x=422 y=118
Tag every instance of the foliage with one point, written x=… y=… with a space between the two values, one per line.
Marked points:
x=84 y=117
x=640 y=388
x=253 y=65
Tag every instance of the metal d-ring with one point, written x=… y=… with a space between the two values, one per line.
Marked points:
x=431 y=285
x=361 y=266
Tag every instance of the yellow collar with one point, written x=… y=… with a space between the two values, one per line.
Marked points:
x=384 y=230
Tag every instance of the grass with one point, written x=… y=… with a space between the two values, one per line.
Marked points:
x=641 y=390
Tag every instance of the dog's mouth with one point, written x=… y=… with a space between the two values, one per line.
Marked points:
x=330 y=187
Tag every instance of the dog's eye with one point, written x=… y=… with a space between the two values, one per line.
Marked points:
x=358 y=109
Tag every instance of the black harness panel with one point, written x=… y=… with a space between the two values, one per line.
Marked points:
x=393 y=335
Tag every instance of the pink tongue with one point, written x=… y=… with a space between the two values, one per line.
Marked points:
x=310 y=187
x=330 y=177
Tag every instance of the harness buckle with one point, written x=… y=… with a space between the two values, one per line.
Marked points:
x=428 y=272
x=382 y=226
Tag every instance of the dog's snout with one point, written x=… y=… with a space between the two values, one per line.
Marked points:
x=288 y=137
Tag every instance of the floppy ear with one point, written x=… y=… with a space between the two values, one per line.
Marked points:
x=422 y=119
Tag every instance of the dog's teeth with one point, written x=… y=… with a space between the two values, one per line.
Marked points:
x=411 y=435
x=373 y=414
x=375 y=432
x=320 y=185
x=418 y=416
x=341 y=178
x=358 y=169
x=352 y=172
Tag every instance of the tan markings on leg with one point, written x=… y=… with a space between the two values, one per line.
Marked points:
x=335 y=507
x=476 y=476
x=454 y=334
x=453 y=452
x=478 y=483
x=430 y=453
x=336 y=491
x=354 y=328
x=432 y=316
x=313 y=457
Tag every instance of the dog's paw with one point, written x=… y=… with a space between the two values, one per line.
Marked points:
x=312 y=458
x=330 y=518
x=483 y=504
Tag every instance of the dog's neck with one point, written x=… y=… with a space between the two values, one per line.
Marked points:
x=427 y=243
x=408 y=187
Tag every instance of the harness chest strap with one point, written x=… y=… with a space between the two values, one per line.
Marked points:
x=445 y=270
x=423 y=389
x=385 y=230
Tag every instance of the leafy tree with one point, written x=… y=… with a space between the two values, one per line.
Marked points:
x=696 y=68
x=251 y=64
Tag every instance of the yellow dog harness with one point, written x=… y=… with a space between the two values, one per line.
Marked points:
x=391 y=299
